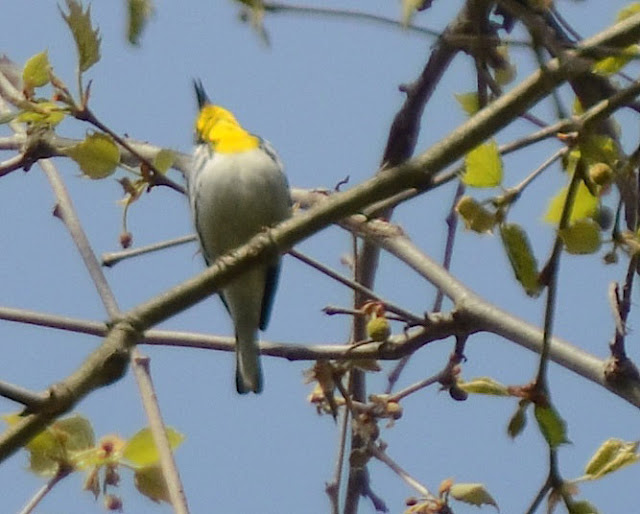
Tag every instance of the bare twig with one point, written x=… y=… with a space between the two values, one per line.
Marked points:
x=140 y=366
x=44 y=490
x=377 y=452
x=368 y=293
x=32 y=401
x=113 y=258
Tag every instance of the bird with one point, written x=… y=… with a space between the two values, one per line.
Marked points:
x=237 y=188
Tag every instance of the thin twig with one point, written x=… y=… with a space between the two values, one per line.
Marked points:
x=368 y=293
x=44 y=490
x=518 y=189
x=140 y=366
x=159 y=179
x=112 y=258
x=66 y=212
x=382 y=456
x=435 y=379
x=31 y=400
x=333 y=487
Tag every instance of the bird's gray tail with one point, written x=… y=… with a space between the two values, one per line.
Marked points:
x=248 y=368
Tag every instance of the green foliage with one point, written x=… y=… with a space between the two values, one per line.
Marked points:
x=138 y=12
x=614 y=63
x=98 y=156
x=150 y=482
x=68 y=445
x=42 y=113
x=484 y=385
x=585 y=205
x=582 y=237
x=469 y=102
x=36 y=71
x=141 y=449
x=613 y=454
x=57 y=447
x=163 y=160
x=552 y=426
x=483 y=166
x=473 y=494
x=582 y=507
x=86 y=38
x=520 y=254
x=519 y=419
x=475 y=216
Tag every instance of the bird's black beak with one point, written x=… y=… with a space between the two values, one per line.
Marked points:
x=201 y=95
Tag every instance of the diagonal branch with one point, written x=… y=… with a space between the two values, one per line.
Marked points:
x=108 y=362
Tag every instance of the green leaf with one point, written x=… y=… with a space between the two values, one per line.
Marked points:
x=627 y=11
x=598 y=148
x=582 y=507
x=139 y=12
x=53 y=446
x=613 y=454
x=584 y=205
x=98 y=155
x=552 y=426
x=582 y=237
x=164 y=160
x=150 y=481
x=483 y=166
x=36 y=71
x=409 y=8
x=141 y=449
x=468 y=102
x=473 y=494
x=524 y=264
x=519 y=420
x=614 y=63
x=47 y=113
x=86 y=38
x=484 y=385
x=475 y=216
x=77 y=432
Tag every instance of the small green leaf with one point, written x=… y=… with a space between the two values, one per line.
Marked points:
x=54 y=445
x=78 y=432
x=582 y=237
x=584 y=205
x=612 y=455
x=36 y=71
x=484 y=385
x=627 y=11
x=468 y=102
x=150 y=481
x=98 y=155
x=552 y=426
x=475 y=216
x=582 y=507
x=409 y=8
x=614 y=63
x=141 y=449
x=598 y=148
x=483 y=166
x=139 y=12
x=519 y=420
x=86 y=38
x=473 y=494
x=47 y=113
x=524 y=264
x=164 y=160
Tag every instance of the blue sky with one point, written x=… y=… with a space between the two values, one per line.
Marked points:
x=324 y=93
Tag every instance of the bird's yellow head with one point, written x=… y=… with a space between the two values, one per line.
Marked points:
x=219 y=128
